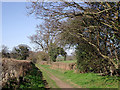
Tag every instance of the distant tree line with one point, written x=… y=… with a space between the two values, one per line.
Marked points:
x=23 y=52
x=20 y=52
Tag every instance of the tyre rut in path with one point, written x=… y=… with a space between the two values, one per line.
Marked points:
x=58 y=82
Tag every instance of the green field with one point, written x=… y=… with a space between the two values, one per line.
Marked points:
x=69 y=61
x=86 y=80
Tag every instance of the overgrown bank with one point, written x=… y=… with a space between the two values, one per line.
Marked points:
x=33 y=79
x=18 y=74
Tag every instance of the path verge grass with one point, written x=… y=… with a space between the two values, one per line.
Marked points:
x=50 y=82
x=86 y=80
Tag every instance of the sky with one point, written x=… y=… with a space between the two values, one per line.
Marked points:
x=17 y=26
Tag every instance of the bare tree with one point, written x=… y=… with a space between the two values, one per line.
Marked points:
x=5 y=52
x=46 y=35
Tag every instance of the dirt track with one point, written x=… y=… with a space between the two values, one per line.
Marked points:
x=61 y=84
x=58 y=82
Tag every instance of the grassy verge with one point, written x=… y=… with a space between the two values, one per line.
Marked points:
x=86 y=80
x=50 y=82
x=57 y=73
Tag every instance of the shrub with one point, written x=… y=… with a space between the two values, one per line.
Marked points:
x=32 y=57
x=42 y=56
x=33 y=79
x=88 y=60
x=55 y=51
x=20 y=52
